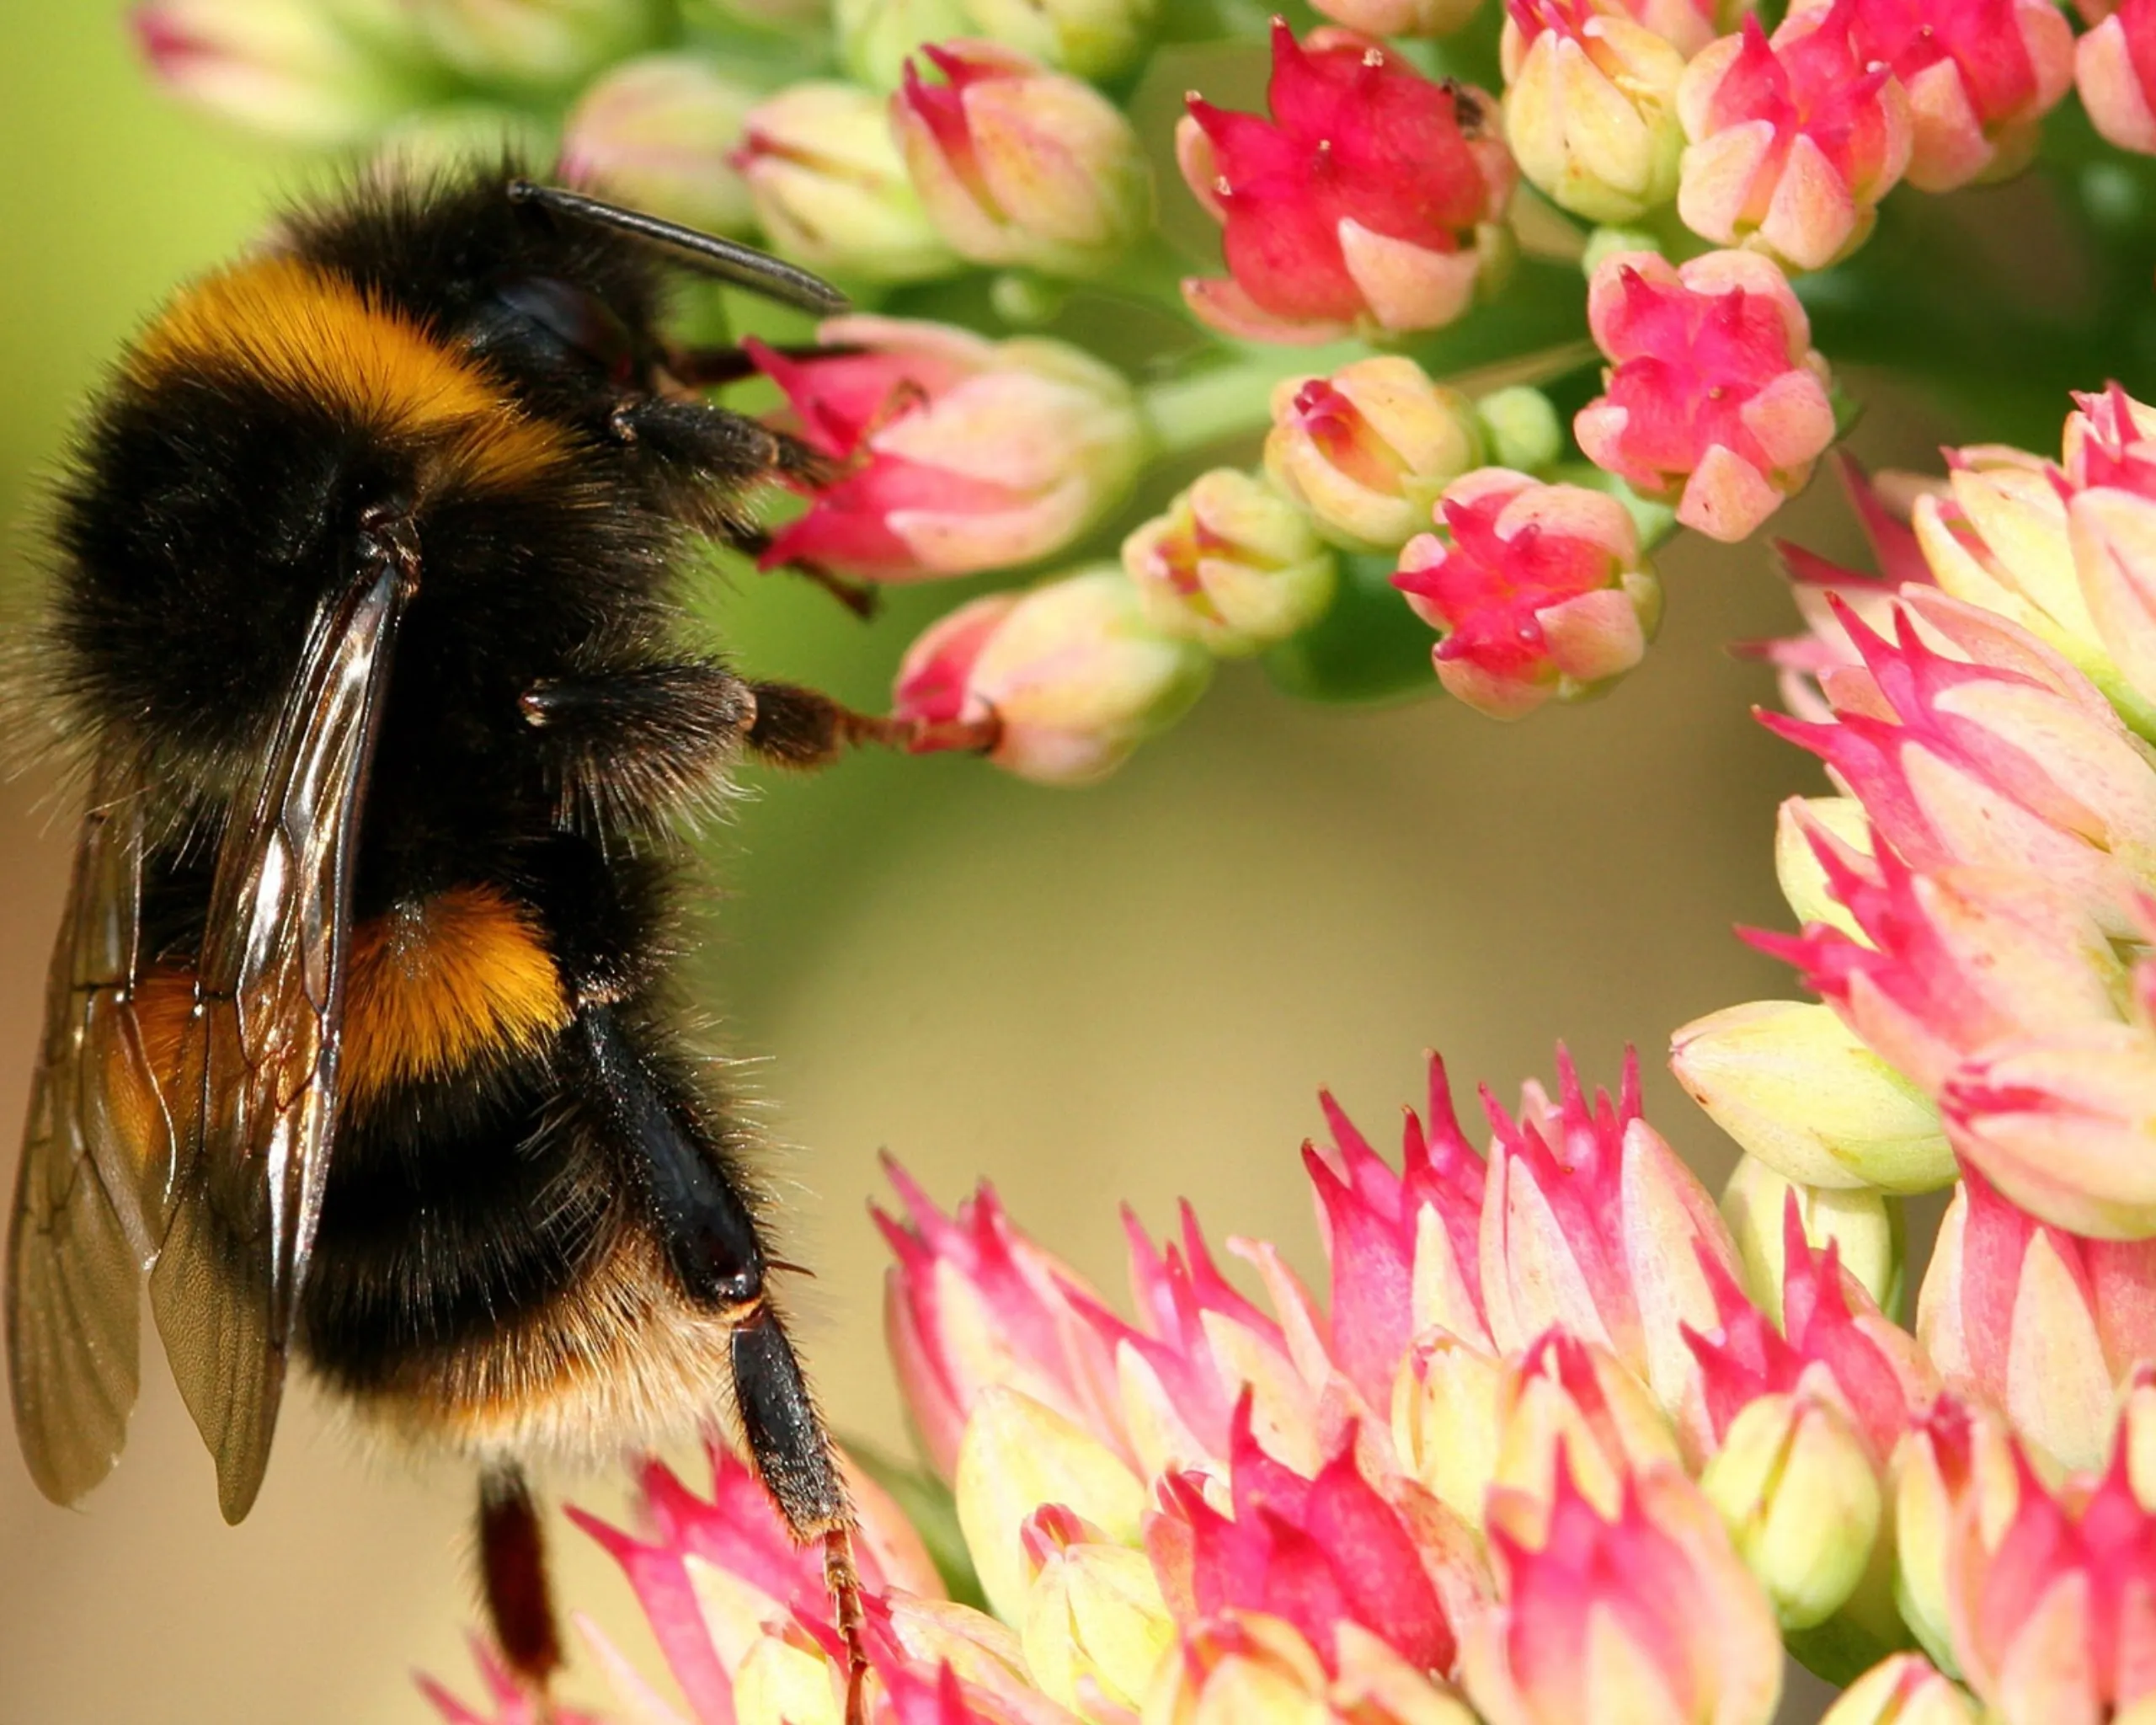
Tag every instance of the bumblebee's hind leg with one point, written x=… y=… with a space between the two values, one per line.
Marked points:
x=716 y=1255
x=513 y=1573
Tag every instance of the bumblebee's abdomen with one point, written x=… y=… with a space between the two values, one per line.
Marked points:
x=531 y=1237
x=451 y=1204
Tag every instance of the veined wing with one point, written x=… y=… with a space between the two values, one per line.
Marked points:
x=97 y=1138
x=258 y=1107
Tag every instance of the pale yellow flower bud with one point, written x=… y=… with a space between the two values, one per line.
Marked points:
x=1801 y=1502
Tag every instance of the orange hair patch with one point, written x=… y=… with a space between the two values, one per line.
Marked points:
x=427 y=990
x=308 y=332
x=433 y=986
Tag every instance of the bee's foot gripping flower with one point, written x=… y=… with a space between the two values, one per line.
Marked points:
x=1202 y=1515
x=1539 y=591
x=1372 y=199
x=1715 y=400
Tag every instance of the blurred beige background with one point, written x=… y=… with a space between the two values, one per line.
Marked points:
x=1128 y=994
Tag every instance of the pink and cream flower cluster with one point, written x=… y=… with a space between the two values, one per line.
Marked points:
x=1534 y=1456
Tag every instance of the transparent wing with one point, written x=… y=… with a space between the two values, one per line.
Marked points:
x=257 y=1096
x=78 y=1237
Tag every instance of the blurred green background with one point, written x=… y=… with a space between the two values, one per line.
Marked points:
x=1124 y=995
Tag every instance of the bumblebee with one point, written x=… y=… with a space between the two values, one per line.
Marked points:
x=359 y=1041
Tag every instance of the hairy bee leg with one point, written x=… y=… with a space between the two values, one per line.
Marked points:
x=793 y=1454
x=797 y=727
x=513 y=1570
x=712 y=1242
x=732 y=451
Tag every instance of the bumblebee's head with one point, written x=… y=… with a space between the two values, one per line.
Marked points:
x=457 y=353
x=558 y=291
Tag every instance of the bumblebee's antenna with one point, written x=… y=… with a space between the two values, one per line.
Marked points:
x=729 y=259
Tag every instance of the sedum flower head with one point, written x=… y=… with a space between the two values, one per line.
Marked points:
x=1791 y=143
x=1537 y=590
x=1232 y=565
x=1017 y=164
x=949 y=453
x=1714 y=400
x=1369 y=199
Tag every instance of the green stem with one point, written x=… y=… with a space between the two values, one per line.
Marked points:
x=1209 y=406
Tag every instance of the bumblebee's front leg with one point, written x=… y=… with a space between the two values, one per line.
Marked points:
x=695 y=1204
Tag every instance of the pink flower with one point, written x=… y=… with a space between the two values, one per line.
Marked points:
x=2115 y=69
x=2052 y=1608
x=1403 y=1247
x=1715 y=399
x=1591 y=106
x=660 y=131
x=2006 y=758
x=1568 y=1406
x=510 y=1702
x=1644 y=1613
x=2046 y=1325
x=1017 y=164
x=1981 y=75
x=1950 y=962
x=1792 y=142
x=1246 y=1666
x=1823 y=589
x=1369 y=199
x=1591 y=1224
x=1233 y=565
x=728 y=1596
x=1318 y=1552
x=1367 y=451
x=971 y=1301
x=1833 y=1341
x=1058 y=683
x=1538 y=590
x=2059 y=1120
x=951 y=453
